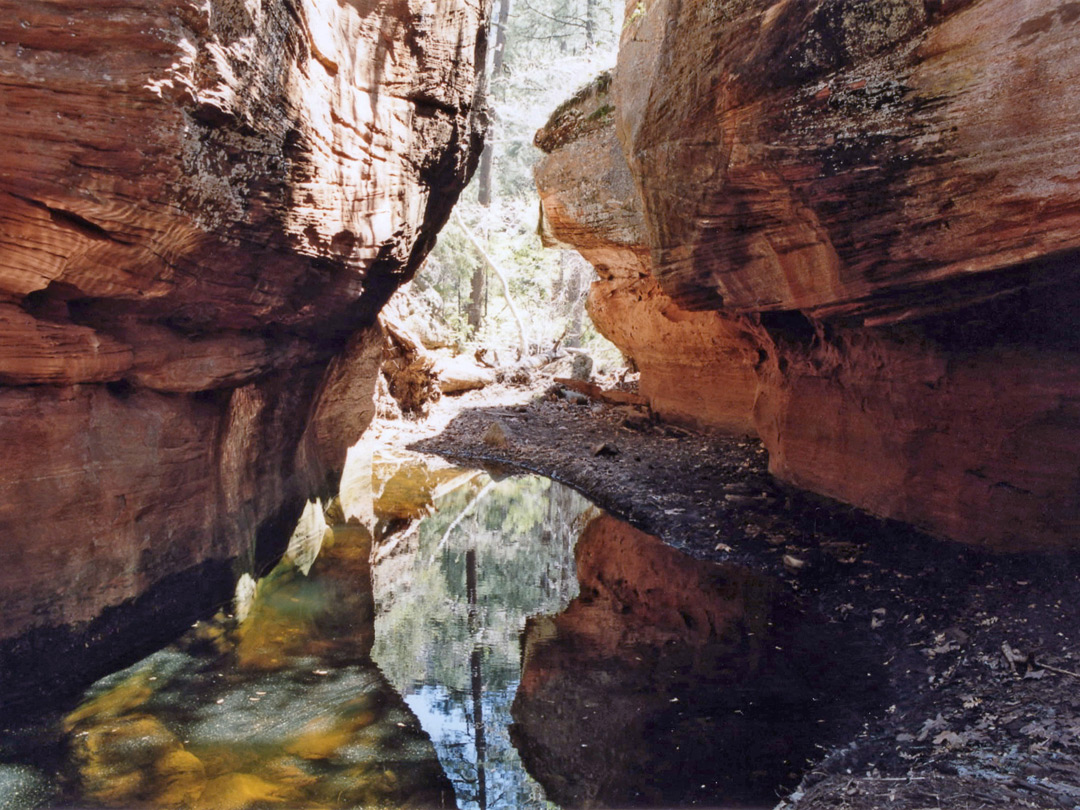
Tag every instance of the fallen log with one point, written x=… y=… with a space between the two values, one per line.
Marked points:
x=611 y=396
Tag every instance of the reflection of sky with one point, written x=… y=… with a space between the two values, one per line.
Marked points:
x=523 y=532
x=440 y=715
x=447 y=718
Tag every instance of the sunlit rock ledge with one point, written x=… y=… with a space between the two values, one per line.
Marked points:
x=202 y=208
x=852 y=229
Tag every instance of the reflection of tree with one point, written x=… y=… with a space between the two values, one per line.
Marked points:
x=450 y=617
x=523 y=533
x=476 y=676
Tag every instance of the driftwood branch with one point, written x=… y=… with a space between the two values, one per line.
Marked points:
x=594 y=391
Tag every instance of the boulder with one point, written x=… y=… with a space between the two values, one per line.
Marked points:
x=461 y=373
x=496 y=435
x=582 y=367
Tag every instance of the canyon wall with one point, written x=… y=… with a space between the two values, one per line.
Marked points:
x=203 y=205
x=852 y=229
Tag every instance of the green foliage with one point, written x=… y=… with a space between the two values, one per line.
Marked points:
x=509 y=229
x=598 y=87
x=601 y=113
x=605 y=354
x=587 y=110
x=547 y=51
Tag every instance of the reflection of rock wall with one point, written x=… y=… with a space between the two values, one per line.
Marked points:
x=199 y=205
x=285 y=709
x=852 y=229
x=326 y=612
x=670 y=681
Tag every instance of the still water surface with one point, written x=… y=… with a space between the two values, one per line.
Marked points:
x=439 y=637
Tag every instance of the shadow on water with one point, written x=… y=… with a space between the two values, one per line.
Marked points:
x=440 y=637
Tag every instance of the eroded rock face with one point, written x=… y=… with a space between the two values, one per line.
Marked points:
x=203 y=205
x=590 y=204
x=840 y=156
x=853 y=229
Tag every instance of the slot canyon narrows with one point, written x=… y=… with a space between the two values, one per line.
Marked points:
x=563 y=403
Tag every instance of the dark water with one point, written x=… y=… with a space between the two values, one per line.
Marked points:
x=437 y=637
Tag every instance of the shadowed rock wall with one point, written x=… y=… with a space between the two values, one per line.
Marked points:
x=203 y=205
x=853 y=229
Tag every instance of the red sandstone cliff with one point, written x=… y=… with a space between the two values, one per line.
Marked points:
x=202 y=207
x=852 y=228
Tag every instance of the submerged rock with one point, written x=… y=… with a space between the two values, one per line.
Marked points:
x=24 y=788
x=285 y=708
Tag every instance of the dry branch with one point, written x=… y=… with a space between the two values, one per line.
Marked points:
x=594 y=391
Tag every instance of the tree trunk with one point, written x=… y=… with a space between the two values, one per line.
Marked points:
x=590 y=22
x=487 y=157
x=499 y=55
x=483 y=177
x=502 y=278
x=576 y=287
x=476 y=678
x=475 y=313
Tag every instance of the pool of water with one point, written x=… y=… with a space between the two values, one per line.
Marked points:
x=443 y=637
x=453 y=598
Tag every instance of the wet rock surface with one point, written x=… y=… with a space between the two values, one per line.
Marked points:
x=960 y=719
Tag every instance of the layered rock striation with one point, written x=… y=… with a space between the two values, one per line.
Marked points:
x=852 y=229
x=203 y=205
